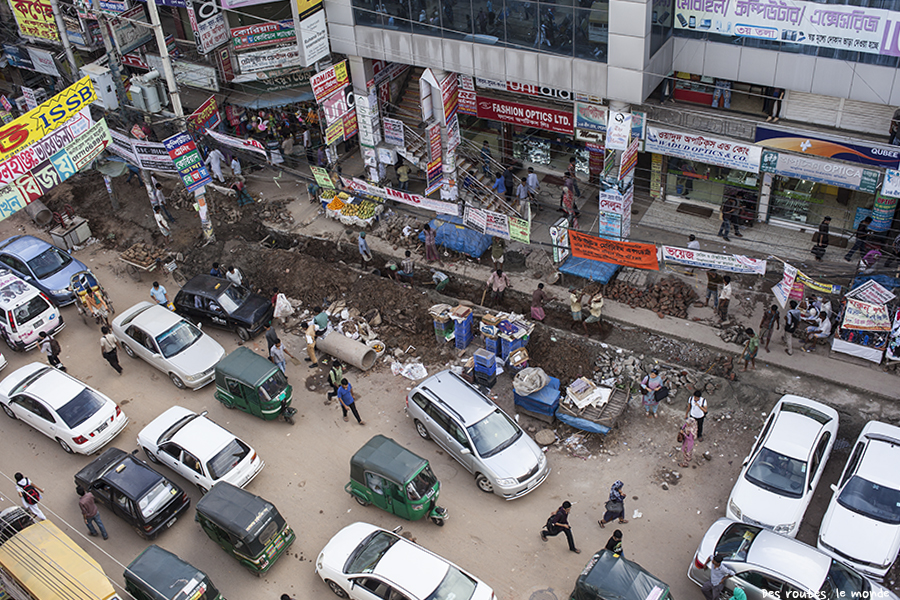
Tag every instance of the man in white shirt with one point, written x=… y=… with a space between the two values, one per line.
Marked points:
x=234 y=275
x=531 y=182
x=235 y=166
x=820 y=332
x=725 y=298
x=697 y=408
x=214 y=161
x=693 y=244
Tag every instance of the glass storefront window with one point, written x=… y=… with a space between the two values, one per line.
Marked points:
x=710 y=184
x=521 y=23
x=807 y=202
x=661 y=24
x=592 y=31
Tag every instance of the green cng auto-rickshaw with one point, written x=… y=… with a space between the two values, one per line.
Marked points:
x=389 y=476
x=246 y=526
x=247 y=381
x=157 y=574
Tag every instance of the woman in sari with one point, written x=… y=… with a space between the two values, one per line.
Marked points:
x=615 y=506
x=689 y=432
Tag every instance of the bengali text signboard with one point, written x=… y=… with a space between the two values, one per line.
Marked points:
x=263 y=34
x=627 y=254
x=710 y=150
x=184 y=154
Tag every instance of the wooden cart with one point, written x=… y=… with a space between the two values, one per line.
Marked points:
x=142 y=258
x=604 y=417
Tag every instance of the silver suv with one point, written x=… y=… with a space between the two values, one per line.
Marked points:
x=474 y=431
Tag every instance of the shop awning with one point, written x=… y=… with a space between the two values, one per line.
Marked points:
x=246 y=96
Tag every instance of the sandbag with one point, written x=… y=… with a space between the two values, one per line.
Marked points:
x=530 y=380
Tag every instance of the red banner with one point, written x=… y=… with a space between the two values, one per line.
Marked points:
x=627 y=254
x=547 y=119
x=327 y=82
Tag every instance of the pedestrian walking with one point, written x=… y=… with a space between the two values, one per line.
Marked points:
x=348 y=402
x=271 y=336
x=693 y=244
x=725 y=298
x=729 y=210
x=498 y=282
x=509 y=184
x=216 y=271
x=713 y=279
x=486 y=157
x=164 y=228
x=595 y=307
x=159 y=294
x=862 y=236
x=431 y=253
x=310 y=328
x=688 y=436
x=109 y=349
x=696 y=409
x=234 y=275
x=615 y=506
x=403 y=177
x=791 y=320
x=321 y=157
x=770 y=320
x=718 y=573
x=51 y=348
x=159 y=199
x=820 y=239
x=214 y=161
x=532 y=183
x=498 y=249
x=31 y=496
x=90 y=512
x=650 y=385
x=235 y=166
x=277 y=354
x=575 y=296
x=751 y=347
x=559 y=523
x=499 y=184
x=522 y=196
x=614 y=543
x=538 y=297
x=364 y=252
x=335 y=375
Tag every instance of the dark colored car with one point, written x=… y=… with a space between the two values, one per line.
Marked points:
x=130 y=488
x=41 y=264
x=224 y=304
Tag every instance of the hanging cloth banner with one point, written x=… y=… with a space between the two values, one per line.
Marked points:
x=732 y=263
x=863 y=316
x=627 y=254
x=782 y=290
x=825 y=288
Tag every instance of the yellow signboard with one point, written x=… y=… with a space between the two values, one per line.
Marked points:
x=47 y=117
x=35 y=19
x=304 y=7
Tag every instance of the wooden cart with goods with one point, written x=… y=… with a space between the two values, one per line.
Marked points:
x=594 y=408
x=141 y=258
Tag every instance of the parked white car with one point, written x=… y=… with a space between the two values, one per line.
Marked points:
x=365 y=562
x=168 y=342
x=78 y=417
x=862 y=523
x=769 y=566
x=783 y=468
x=198 y=449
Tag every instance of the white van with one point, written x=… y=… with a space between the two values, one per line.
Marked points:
x=25 y=312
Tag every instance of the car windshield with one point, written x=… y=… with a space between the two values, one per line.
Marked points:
x=80 y=408
x=843 y=582
x=455 y=586
x=736 y=541
x=871 y=500
x=30 y=310
x=421 y=484
x=158 y=497
x=366 y=556
x=232 y=298
x=228 y=458
x=48 y=262
x=169 y=433
x=778 y=473
x=274 y=385
x=493 y=433
x=177 y=338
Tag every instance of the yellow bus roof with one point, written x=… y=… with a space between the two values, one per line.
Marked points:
x=52 y=566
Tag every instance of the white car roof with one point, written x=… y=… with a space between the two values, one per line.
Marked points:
x=152 y=318
x=879 y=463
x=55 y=388
x=794 y=434
x=413 y=568
x=808 y=566
x=201 y=437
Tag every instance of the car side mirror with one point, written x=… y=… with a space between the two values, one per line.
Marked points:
x=465 y=451
x=204 y=413
x=135 y=451
x=833 y=487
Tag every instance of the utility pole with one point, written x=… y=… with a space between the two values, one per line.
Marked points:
x=166 y=60
x=64 y=37
x=110 y=51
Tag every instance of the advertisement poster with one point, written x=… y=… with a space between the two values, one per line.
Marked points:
x=314 y=44
x=277 y=57
x=30 y=98
x=206 y=116
x=35 y=19
x=28 y=158
x=813 y=169
x=628 y=165
x=466 y=95
x=325 y=83
x=891 y=186
x=590 y=117
x=43 y=62
x=730 y=263
x=801 y=143
x=248 y=144
x=618 y=130
x=863 y=316
x=520 y=230
x=817 y=286
x=433 y=176
x=334 y=132
x=505 y=111
x=208 y=25
x=614 y=202
x=184 y=154
x=893 y=347
x=872 y=292
x=128 y=33
x=627 y=254
x=393 y=132
x=475 y=218
x=710 y=150
x=444 y=208
x=782 y=289
x=883 y=213
x=496 y=224
x=263 y=34
x=609 y=225
x=322 y=177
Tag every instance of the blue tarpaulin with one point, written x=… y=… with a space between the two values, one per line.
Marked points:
x=886 y=281
x=545 y=401
x=453 y=235
x=582 y=424
x=594 y=270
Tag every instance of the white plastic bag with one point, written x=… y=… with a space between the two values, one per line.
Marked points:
x=283 y=307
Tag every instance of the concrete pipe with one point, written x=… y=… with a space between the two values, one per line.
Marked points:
x=39 y=213
x=346 y=350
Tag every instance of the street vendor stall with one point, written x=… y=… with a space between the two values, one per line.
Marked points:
x=353 y=211
x=864 y=330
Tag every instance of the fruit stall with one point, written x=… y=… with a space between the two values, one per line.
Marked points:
x=355 y=211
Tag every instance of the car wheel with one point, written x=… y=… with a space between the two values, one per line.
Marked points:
x=9 y=412
x=10 y=344
x=129 y=351
x=151 y=457
x=177 y=381
x=141 y=533
x=360 y=500
x=65 y=446
x=484 y=484
x=422 y=431
x=338 y=590
x=243 y=334
x=438 y=522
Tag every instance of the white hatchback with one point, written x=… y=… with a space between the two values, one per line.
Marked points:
x=782 y=470
x=862 y=523
x=365 y=562
x=198 y=449
x=169 y=342
x=78 y=417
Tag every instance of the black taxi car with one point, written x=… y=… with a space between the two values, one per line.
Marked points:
x=130 y=488
x=224 y=304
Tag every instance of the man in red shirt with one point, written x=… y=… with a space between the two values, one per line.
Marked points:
x=90 y=513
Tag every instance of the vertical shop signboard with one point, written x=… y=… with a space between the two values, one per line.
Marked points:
x=35 y=19
x=595 y=161
x=184 y=154
x=628 y=165
x=208 y=25
x=618 y=130
x=883 y=213
x=393 y=132
x=466 y=95
x=656 y=171
x=496 y=224
x=435 y=165
x=30 y=99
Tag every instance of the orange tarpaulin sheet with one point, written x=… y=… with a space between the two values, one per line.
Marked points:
x=627 y=254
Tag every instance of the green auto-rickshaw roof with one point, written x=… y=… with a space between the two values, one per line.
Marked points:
x=161 y=574
x=386 y=457
x=246 y=366
x=235 y=510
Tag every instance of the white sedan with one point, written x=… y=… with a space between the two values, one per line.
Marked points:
x=198 y=449
x=78 y=417
x=862 y=523
x=781 y=473
x=170 y=343
x=365 y=562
